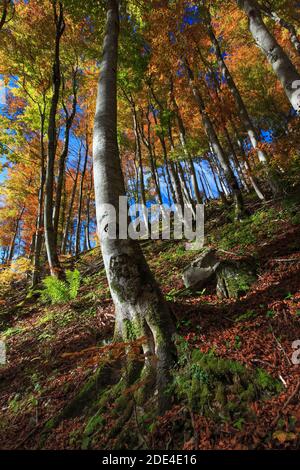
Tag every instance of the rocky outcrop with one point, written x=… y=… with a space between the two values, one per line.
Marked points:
x=232 y=278
x=201 y=270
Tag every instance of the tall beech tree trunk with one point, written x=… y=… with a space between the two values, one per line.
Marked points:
x=139 y=304
x=50 y=238
x=39 y=234
x=279 y=60
x=216 y=146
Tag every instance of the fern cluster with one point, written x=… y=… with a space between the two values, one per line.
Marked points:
x=58 y=291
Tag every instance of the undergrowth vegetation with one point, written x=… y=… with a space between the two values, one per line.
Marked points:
x=59 y=291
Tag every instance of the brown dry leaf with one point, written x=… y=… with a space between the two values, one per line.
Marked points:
x=283 y=436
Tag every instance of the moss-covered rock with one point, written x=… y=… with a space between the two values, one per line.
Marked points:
x=234 y=278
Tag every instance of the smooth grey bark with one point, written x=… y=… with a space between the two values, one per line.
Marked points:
x=50 y=239
x=80 y=199
x=69 y=118
x=216 y=146
x=279 y=60
x=139 y=305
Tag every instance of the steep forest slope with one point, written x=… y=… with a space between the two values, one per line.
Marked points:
x=239 y=351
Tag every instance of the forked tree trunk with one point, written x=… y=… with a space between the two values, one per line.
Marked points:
x=139 y=304
x=39 y=234
x=279 y=60
x=50 y=239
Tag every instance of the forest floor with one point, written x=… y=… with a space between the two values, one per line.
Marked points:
x=51 y=348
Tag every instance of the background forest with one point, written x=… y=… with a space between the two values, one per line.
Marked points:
x=109 y=343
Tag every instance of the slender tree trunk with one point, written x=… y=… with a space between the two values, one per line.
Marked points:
x=204 y=190
x=50 y=239
x=253 y=180
x=70 y=211
x=173 y=179
x=241 y=107
x=78 y=226
x=236 y=160
x=138 y=156
x=182 y=135
x=39 y=234
x=216 y=146
x=151 y=152
x=88 y=215
x=12 y=246
x=3 y=19
x=63 y=157
x=279 y=60
x=172 y=175
x=178 y=182
x=139 y=304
